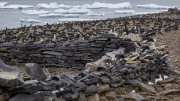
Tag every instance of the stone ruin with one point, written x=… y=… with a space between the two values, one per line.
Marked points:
x=113 y=64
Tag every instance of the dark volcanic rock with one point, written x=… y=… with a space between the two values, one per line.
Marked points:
x=60 y=84
x=79 y=84
x=68 y=78
x=73 y=96
x=25 y=97
x=4 y=67
x=91 y=89
x=131 y=82
x=34 y=71
x=91 y=81
x=82 y=88
x=10 y=79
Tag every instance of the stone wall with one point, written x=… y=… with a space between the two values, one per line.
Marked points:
x=72 y=55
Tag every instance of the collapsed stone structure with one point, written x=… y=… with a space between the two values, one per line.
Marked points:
x=138 y=62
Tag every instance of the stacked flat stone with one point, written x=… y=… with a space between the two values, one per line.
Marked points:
x=132 y=65
x=72 y=55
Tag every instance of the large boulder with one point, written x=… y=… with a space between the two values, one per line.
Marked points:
x=10 y=79
x=34 y=71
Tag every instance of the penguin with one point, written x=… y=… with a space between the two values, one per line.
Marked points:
x=129 y=49
x=147 y=39
x=119 y=57
x=143 y=48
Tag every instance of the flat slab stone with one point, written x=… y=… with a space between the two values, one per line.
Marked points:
x=134 y=97
x=53 y=53
x=170 y=92
x=146 y=88
x=168 y=80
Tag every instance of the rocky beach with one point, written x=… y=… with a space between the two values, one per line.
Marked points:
x=133 y=58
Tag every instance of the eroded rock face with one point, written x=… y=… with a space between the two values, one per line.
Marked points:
x=10 y=79
x=34 y=71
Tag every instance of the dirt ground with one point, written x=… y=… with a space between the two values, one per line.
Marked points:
x=172 y=39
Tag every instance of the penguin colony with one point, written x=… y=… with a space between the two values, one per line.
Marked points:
x=74 y=44
x=145 y=25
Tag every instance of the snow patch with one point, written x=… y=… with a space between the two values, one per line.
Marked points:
x=124 y=11
x=159 y=79
x=133 y=91
x=150 y=83
x=154 y=6
x=35 y=12
x=29 y=21
x=166 y=76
